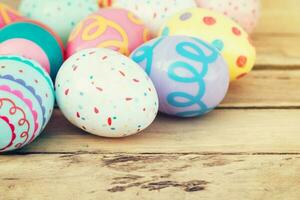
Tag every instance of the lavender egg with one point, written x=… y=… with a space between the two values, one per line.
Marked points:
x=190 y=75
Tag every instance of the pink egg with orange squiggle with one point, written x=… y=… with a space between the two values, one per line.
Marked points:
x=116 y=29
x=7 y=15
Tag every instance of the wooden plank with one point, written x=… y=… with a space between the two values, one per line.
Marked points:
x=233 y=130
x=229 y=131
x=279 y=16
x=265 y=88
x=277 y=50
x=128 y=176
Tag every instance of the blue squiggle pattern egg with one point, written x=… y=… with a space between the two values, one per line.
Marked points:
x=190 y=75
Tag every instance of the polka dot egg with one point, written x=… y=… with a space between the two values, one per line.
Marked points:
x=117 y=29
x=59 y=15
x=26 y=101
x=190 y=75
x=155 y=12
x=220 y=31
x=7 y=15
x=34 y=41
x=105 y=93
x=244 y=12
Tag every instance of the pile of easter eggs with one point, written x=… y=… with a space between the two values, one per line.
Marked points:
x=116 y=63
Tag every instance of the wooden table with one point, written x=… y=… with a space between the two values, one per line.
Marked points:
x=249 y=148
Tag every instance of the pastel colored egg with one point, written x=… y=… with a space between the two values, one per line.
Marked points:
x=117 y=29
x=59 y=15
x=105 y=93
x=155 y=12
x=26 y=101
x=35 y=41
x=105 y=3
x=244 y=12
x=220 y=31
x=8 y=15
x=190 y=75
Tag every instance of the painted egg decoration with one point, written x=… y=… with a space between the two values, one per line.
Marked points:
x=190 y=75
x=105 y=93
x=8 y=15
x=59 y=15
x=34 y=41
x=244 y=12
x=117 y=29
x=26 y=101
x=155 y=12
x=219 y=30
x=105 y=3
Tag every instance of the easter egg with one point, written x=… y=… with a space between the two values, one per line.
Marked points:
x=244 y=12
x=105 y=3
x=34 y=41
x=155 y=12
x=105 y=93
x=8 y=15
x=26 y=101
x=59 y=15
x=117 y=29
x=190 y=75
x=220 y=31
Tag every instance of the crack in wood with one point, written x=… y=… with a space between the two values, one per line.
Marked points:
x=189 y=186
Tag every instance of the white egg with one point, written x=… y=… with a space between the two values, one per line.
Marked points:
x=106 y=93
x=155 y=12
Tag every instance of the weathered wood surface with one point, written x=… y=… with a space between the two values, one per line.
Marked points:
x=223 y=131
x=249 y=148
x=151 y=176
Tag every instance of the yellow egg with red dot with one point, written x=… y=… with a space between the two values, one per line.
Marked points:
x=226 y=35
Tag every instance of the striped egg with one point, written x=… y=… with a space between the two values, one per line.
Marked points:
x=26 y=101
x=105 y=3
x=34 y=41
x=8 y=15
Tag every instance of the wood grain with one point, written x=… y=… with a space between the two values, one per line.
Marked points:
x=151 y=176
x=279 y=16
x=277 y=51
x=259 y=114
x=249 y=148
x=226 y=131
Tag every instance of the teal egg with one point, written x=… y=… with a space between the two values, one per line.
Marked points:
x=26 y=101
x=40 y=35
x=60 y=15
